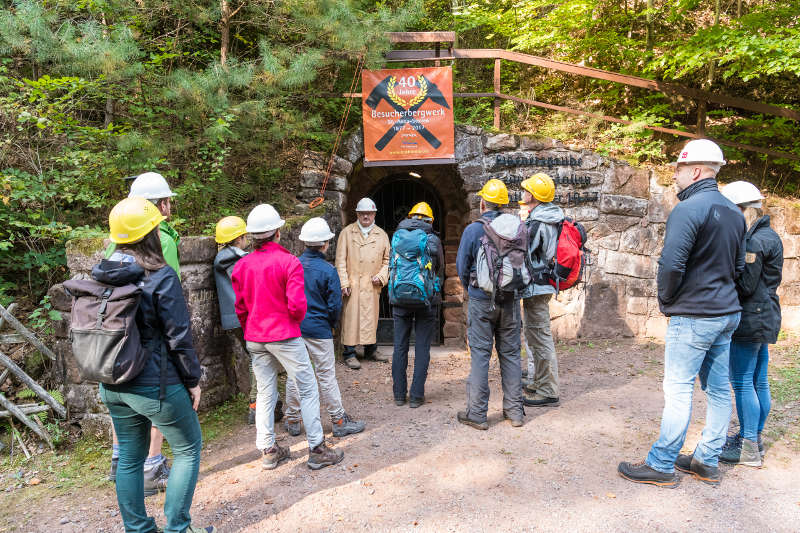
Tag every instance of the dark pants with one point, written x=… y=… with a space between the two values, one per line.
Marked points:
x=133 y=412
x=369 y=351
x=499 y=326
x=423 y=319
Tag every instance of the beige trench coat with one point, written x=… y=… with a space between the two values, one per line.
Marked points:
x=358 y=259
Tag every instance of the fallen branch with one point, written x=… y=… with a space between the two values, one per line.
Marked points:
x=31 y=383
x=26 y=409
x=25 y=332
x=9 y=405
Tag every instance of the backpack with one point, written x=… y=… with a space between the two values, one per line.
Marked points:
x=105 y=338
x=570 y=256
x=412 y=281
x=503 y=265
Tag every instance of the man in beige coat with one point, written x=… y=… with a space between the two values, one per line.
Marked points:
x=362 y=259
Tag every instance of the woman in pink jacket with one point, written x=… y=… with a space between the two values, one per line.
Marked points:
x=270 y=304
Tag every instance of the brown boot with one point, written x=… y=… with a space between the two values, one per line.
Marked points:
x=323 y=456
x=275 y=456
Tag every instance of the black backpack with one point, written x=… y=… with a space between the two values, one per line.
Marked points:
x=105 y=339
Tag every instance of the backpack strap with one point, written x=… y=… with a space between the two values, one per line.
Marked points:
x=101 y=312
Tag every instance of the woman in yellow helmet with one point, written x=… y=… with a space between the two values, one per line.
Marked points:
x=164 y=396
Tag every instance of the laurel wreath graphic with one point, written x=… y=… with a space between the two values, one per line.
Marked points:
x=423 y=92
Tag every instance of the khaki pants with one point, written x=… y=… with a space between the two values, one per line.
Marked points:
x=322 y=355
x=542 y=361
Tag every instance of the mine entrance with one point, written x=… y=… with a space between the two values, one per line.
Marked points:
x=394 y=196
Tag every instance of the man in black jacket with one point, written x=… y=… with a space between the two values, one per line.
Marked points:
x=703 y=255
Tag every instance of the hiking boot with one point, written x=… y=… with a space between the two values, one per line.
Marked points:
x=323 y=456
x=155 y=479
x=538 y=400
x=744 y=452
x=399 y=401
x=293 y=427
x=415 y=402
x=347 y=426
x=516 y=421
x=251 y=415
x=464 y=419
x=278 y=410
x=207 y=529
x=352 y=362
x=690 y=465
x=275 y=456
x=112 y=475
x=642 y=473
x=371 y=353
x=761 y=449
x=732 y=441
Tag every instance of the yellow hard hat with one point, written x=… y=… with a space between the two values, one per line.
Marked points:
x=133 y=218
x=541 y=186
x=422 y=209
x=229 y=228
x=494 y=191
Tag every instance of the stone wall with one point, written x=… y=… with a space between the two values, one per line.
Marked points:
x=224 y=364
x=625 y=219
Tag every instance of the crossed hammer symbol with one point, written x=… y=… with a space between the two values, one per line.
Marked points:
x=380 y=92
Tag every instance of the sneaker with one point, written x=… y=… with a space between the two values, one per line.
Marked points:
x=155 y=479
x=689 y=465
x=399 y=401
x=352 y=362
x=464 y=419
x=372 y=354
x=416 y=402
x=251 y=415
x=323 y=456
x=347 y=426
x=524 y=372
x=293 y=427
x=642 y=473
x=207 y=529
x=275 y=456
x=516 y=421
x=538 y=400
x=112 y=475
x=745 y=452
x=278 y=410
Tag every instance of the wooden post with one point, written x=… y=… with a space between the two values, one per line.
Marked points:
x=497 y=92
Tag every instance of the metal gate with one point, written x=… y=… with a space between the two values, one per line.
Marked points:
x=395 y=196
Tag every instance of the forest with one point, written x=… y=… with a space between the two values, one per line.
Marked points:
x=223 y=96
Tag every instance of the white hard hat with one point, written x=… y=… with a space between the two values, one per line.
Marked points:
x=150 y=185
x=316 y=231
x=743 y=192
x=263 y=218
x=365 y=205
x=700 y=151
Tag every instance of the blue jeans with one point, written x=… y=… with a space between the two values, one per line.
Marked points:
x=749 y=362
x=694 y=346
x=134 y=409
x=423 y=320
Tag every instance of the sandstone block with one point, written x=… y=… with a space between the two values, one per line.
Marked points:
x=466 y=129
x=582 y=213
x=454 y=314
x=535 y=143
x=791 y=270
x=791 y=246
x=642 y=239
x=353 y=146
x=789 y=293
x=450 y=270
x=620 y=223
x=656 y=327
x=637 y=266
x=642 y=287
x=590 y=161
x=319 y=161
x=61 y=327
x=313 y=179
x=623 y=205
x=501 y=141
x=84 y=398
x=59 y=298
x=467 y=146
x=472 y=172
x=453 y=287
x=628 y=181
x=637 y=305
x=197 y=276
x=196 y=250
x=454 y=298
x=455 y=342
x=604 y=237
x=454 y=329
x=792 y=216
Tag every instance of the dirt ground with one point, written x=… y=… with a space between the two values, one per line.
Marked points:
x=420 y=470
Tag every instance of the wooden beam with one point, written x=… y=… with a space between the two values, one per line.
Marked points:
x=634 y=81
x=496 y=122
x=421 y=36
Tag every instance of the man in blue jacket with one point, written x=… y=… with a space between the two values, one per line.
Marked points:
x=489 y=323
x=324 y=298
x=703 y=255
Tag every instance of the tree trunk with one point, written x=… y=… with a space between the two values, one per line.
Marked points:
x=225 y=31
x=649 y=18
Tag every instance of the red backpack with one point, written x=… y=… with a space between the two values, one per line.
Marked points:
x=570 y=255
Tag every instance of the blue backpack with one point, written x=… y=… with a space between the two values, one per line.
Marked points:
x=412 y=281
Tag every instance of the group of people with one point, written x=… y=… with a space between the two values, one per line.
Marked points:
x=717 y=280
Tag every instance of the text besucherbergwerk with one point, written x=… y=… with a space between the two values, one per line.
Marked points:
x=408 y=113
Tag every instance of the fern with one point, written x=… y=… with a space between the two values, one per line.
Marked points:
x=57 y=396
x=26 y=393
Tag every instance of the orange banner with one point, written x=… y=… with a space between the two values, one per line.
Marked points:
x=408 y=114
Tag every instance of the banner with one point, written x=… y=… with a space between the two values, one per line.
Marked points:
x=408 y=115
